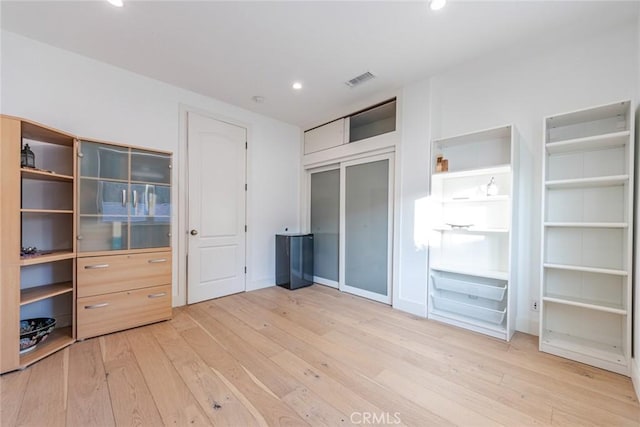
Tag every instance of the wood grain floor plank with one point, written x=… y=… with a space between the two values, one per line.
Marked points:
x=176 y=404
x=272 y=409
x=89 y=403
x=45 y=399
x=218 y=401
x=131 y=400
x=12 y=389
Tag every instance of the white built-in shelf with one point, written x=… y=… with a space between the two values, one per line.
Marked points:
x=586 y=303
x=606 y=352
x=595 y=142
x=489 y=274
x=47 y=211
x=473 y=172
x=38 y=293
x=588 y=115
x=40 y=175
x=485 y=199
x=601 y=181
x=480 y=230
x=587 y=224
x=587 y=269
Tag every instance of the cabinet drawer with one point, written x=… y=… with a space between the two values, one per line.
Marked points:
x=114 y=273
x=102 y=314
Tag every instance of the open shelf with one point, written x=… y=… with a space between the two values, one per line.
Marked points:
x=606 y=352
x=489 y=274
x=587 y=224
x=586 y=303
x=603 y=181
x=59 y=338
x=41 y=175
x=447 y=228
x=595 y=142
x=49 y=257
x=29 y=295
x=473 y=172
x=47 y=211
x=587 y=269
x=499 y=198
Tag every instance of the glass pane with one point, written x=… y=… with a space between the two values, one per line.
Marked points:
x=367 y=219
x=104 y=161
x=103 y=197
x=102 y=233
x=150 y=216
x=150 y=167
x=325 y=223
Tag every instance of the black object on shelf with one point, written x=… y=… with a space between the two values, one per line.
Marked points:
x=27 y=157
x=294 y=260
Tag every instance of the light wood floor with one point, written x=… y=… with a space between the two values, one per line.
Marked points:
x=311 y=356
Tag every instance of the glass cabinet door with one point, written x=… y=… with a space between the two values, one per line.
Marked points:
x=103 y=197
x=150 y=216
x=148 y=167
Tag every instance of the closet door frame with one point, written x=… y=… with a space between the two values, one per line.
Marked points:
x=342 y=164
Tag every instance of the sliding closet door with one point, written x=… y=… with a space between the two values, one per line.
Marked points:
x=366 y=227
x=325 y=225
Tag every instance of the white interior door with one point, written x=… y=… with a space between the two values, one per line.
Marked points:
x=366 y=227
x=217 y=215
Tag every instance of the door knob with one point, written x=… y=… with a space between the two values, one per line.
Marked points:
x=194 y=232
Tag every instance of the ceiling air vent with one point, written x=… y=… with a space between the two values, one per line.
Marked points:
x=358 y=80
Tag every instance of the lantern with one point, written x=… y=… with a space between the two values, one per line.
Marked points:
x=27 y=158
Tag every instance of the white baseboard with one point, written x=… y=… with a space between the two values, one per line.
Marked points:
x=635 y=375
x=411 y=307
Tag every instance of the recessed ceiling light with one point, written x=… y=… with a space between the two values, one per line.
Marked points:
x=116 y=3
x=296 y=85
x=437 y=4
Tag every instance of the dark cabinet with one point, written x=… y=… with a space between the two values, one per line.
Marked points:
x=294 y=260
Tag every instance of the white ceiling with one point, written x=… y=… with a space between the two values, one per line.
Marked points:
x=235 y=50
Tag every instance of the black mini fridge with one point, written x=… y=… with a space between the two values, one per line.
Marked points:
x=294 y=260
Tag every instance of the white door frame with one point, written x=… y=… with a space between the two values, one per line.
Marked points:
x=390 y=157
x=180 y=291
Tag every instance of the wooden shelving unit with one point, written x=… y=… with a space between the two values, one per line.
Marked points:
x=587 y=236
x=38 y=210
x=471 y=262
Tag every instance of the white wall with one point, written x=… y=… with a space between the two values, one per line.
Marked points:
x=92 y=99
x=635 y=367
x=519 y=87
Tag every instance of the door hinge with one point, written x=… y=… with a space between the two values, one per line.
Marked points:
x=245 y=187
x=245 y=228
x=246 y=145
x=245 y=269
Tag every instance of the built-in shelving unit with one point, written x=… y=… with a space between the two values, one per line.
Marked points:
x=587 y=232
x=471 y=265
x=38 y=211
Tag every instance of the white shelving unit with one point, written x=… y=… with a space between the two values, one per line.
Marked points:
x=587 y=236
x=471 y=262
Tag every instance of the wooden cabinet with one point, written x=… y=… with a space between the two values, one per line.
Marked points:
x=587 y=236
x=472 y=260
x=124 y=235
x=36 y=210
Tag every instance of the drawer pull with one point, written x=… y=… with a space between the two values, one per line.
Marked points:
x=95 y=266
x=158 y=295
x=94 y=306
x=155 y=261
